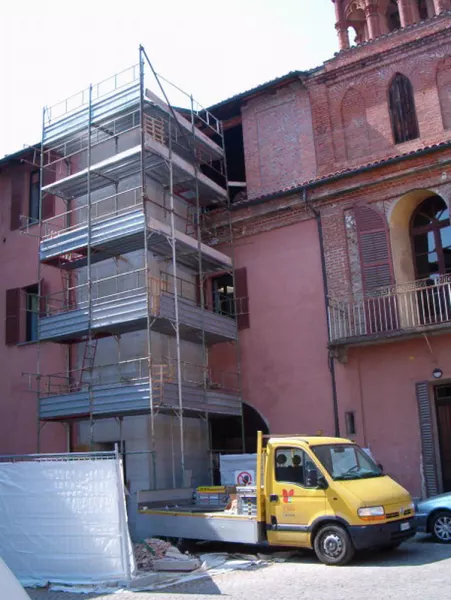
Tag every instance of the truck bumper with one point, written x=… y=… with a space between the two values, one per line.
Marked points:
x=386 y=534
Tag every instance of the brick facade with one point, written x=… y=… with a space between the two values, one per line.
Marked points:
x=343 y=158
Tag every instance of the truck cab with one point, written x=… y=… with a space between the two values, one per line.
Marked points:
x=328 y=494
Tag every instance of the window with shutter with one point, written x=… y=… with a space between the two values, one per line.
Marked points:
x=12 y=320
x=32 y=313
x=242 y=298
x=377 y=271
x=402 y=110
x=427 y=438
x=17 y=189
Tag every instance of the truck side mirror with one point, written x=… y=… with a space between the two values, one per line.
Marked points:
x=380 y=467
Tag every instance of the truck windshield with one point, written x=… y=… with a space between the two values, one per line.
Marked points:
x=344 y=462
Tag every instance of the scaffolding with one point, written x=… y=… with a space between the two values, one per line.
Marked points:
x=129 y=168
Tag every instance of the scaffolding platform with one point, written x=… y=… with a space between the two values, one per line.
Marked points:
x=134 y=399
x=119 y=235
x=127 y=312
x=134 y=172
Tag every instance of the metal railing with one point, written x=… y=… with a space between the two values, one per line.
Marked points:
x=114 y=205
x=117 y=287
x=407 y=307
x=103 y=89
x=134 y=371
x=127 y=285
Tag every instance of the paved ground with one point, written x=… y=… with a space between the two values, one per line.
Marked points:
x=419 y=569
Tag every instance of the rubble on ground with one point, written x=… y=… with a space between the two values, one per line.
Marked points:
x=156 y=555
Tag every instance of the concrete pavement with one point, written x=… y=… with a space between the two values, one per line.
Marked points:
x=418 y=570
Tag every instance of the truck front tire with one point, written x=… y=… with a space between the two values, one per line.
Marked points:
x=333 y=546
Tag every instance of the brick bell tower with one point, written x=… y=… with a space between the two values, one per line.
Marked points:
x=369 y=19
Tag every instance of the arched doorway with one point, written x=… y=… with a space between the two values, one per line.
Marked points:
x=430 y=230
x=227 y=435
x=400 y=220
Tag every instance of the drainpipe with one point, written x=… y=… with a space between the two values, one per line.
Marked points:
x=331 y=360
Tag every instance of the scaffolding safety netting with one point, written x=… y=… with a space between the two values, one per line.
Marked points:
x=63 y=519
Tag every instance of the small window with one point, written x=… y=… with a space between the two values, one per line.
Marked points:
x=223 y=295
x=350 y=423
x=35 y=185
x=402 y=110
x=32 y=310
x=294 y=466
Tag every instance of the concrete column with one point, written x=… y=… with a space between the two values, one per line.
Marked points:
x=372 y=18
x=343 y=35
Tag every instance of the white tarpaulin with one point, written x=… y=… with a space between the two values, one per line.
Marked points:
x=64 y=521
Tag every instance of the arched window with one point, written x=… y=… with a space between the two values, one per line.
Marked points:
x=431 y=238
x=402 y=110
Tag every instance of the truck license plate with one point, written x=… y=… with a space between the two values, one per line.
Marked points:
x=405 y=526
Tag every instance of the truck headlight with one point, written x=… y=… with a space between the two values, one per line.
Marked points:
x=371 y=513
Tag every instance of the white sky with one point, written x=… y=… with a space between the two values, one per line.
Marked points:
x=213 y=49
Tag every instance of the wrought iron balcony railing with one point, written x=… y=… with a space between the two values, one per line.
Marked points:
x=392 y=311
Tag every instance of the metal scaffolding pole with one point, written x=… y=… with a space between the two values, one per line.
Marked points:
x=176 y=323
x=40 y=290
x=201 y=296
x=146 y=268
x=89 y=262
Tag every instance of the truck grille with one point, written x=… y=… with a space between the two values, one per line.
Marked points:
x=395 y=515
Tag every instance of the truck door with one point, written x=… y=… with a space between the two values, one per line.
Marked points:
x=292 y=499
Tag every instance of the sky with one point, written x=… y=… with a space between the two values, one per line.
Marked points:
x=212 y=49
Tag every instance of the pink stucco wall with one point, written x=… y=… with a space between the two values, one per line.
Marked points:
x=18 y=406
x=284 y=352
x=378 y=382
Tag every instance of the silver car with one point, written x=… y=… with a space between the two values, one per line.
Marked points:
x=434 y=517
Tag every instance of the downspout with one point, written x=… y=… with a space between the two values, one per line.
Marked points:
x=331 y=360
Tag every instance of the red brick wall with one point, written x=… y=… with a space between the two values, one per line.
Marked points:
x=350 y=97
x=278 y=140
x=444 y=90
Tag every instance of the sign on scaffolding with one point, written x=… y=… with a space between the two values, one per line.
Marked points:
x=63 y=519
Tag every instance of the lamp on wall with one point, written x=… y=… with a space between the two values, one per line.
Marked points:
x=437 y=373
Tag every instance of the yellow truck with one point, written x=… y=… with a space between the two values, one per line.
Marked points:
x=322 y=493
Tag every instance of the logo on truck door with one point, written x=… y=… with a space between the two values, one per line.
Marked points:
x=287 y=496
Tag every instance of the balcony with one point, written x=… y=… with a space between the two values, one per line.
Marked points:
x=388 y=313
x=118 y=227
x=119 y=305
x=129 y=388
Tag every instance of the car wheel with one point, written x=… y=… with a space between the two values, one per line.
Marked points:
x=333 y=546
x=440 y=527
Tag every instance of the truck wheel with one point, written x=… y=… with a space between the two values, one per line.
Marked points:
x=333 y=546
x=440 y=527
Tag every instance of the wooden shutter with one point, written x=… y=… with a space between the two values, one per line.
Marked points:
x=427 y=438
x=48 y=200
x=377 y=270
x=17 y=187
x=402 y=110
x=12 y=321
x=242 y=298
x=374 y=245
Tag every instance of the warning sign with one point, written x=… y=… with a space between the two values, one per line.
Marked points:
x=244 y=477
